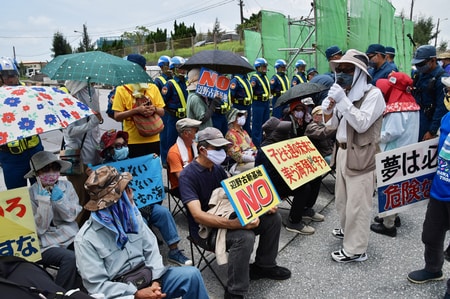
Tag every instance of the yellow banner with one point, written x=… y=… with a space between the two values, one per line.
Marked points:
x=251 y=194
x=18 y=235
x=296 y=160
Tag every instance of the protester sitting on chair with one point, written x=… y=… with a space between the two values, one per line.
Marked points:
x=55 y=208
x=197 y=182
x=242 y=149
x=115 y=244
x=154 y=214
x=182 y=152
x=321 y=136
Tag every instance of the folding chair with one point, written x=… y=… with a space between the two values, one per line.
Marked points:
x=333 y=175
x=207 y=256
x=174 y=202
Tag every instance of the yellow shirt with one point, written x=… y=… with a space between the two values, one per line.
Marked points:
x=124 y=101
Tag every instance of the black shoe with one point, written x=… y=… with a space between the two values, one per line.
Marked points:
x=397 y=221
x=275 y=273
x=422 y=276
x=379 y=228
x=447 y=253
x=228 y=295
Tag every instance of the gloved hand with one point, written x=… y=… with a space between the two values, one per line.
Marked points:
x=327 y=106
x=43 y=192
x=57 y=193
x=336 y=92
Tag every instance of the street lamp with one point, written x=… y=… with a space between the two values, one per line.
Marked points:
x=437 y=31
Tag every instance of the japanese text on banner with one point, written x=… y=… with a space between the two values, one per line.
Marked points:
x=251 y=194
x=404 y=176
x=211 y=84
x=18 y=235
x=296 y=160
x=147 y=183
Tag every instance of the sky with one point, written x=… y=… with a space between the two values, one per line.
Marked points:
x=28 y=26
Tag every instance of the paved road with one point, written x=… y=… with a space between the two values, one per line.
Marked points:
x=314 y=274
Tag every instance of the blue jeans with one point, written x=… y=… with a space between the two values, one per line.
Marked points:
x=261 y=113
x=220 y=122
x=64 y=259
x=247 y=108
x=163 y=220
x=186 y=282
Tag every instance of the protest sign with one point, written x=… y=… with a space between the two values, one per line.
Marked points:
x=404 y=176
x=251 y=193
x=18 y=235
x=147 y=183
x=296 y=160
x=211 y=84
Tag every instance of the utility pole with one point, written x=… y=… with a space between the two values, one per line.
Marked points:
x=411 y=11
x=241 y=5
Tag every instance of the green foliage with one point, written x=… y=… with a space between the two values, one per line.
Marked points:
x=86 y=44
x=442 y=46
x=60 y=45
x=423 y=31
x=181 y=31
x=216 y=32
x=253 y=23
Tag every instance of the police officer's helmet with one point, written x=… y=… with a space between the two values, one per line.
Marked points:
x=280 y=63
x=176 y=62
x=260 y=62
x=164 y=61
x=8 y=68
x=300 y=62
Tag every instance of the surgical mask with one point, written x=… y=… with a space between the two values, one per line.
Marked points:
x=373 y=64
x=440 y=63
x=217 y=156
x=49 y=178
x=299 y=114
x=344 y=80
x=241 y=120
x=121 y=154
x=423 y=69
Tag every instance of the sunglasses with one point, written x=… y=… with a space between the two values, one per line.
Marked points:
x=422 y=63
x=54 y=166
x=348 y=70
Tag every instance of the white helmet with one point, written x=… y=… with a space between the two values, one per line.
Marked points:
x=8 y=67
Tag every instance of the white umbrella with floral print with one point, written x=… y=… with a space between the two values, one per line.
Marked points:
x=29 y=110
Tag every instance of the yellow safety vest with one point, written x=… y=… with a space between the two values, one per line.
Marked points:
x=265 y=86
x=181 y=113
x=19 y=146
x=163 y=80
x=248 y=92
x=300 y=78
x=283 y=83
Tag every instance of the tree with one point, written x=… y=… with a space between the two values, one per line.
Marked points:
x=86 y=44
x=60 y=45
x=442 y=46
x=253 y=23
x=423 y=31
x=181 y=31
x=216 y=33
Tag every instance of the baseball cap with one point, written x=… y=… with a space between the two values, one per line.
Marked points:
x=137 y=58
x=331 y=51
x=186 y=123
x=423 y=53
x=376 y=48
x=390 y=50
x=213 y=136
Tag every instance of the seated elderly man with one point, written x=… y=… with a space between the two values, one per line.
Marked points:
x=197 y=182
x=116 y=252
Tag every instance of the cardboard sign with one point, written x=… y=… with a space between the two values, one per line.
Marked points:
x=211 y=84
x=18 y=235
x=251 y=194
x=147 y=183
x=297 y=160
x=404 y=176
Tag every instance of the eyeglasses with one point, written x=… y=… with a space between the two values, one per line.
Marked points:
x=55 y=166
x=348 y=70
x=120 y=145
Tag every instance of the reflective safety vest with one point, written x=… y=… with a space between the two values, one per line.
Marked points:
x=265 y=86
x=300 y=78
x=181 y=113
x=248 y=91
x=283 y=83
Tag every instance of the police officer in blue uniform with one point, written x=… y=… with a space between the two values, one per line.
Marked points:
x=390 y=54
x=166 y=72
x=279 y=84
x=261 y=96
x=429 y=91
x=300 y=76
x=241 y=96
x=379 y=67
x=175 y=96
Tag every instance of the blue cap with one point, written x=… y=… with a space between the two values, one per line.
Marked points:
x=136 y=58
x=311 y=70
x=331 y=51
x=422 y=53
x=376 y=48
x=390 y=50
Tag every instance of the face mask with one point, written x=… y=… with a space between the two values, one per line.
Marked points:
x=121 y=154
x=217 y=156
x=424 y=68
x=49 y=178
x=299 y=114
x=440 y=63
x=241 y=120
x=344 y=80
x=372 y=64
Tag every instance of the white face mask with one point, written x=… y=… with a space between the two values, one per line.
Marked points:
x=299 y=114
x=217 y=156
x=241 y=120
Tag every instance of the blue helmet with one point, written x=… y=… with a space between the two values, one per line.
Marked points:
x=8 y=67
x=260 y=62
x=164 y=61
x=300 y=62
x=176 y=62
x=280 y=63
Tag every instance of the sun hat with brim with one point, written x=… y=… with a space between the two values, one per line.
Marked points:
x=331 y=51
x=355 y=57
x=193 y=77
x=109 y=138
x=213 y=136
x=376 y=48
x=445 y=55
x=105 y=186
x=445 y=81
x=423 y=53
x=397 y=93
x=187 y=123
x=233 y=115
x=42 y=159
